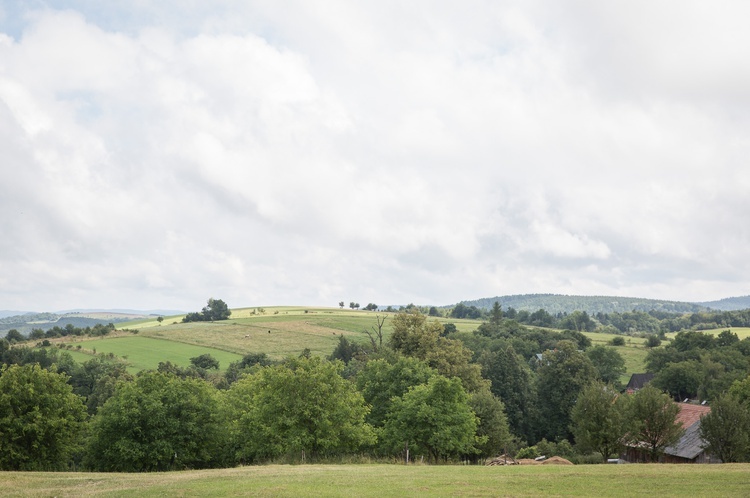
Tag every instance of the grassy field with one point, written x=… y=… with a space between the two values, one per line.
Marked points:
x=396 y=480
x=633 y=352
x=278 y=331
x=142 y=353
x=742 y=332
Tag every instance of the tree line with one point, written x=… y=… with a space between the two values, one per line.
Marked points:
x=426 y=391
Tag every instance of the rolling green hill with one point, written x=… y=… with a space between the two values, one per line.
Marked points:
x=278 y=332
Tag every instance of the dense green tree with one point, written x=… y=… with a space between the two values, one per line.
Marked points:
x=608 y=362
x=541 y=318
x=41 y=419
x=95 y=381
x=435 y=419
x=13 y=336
x=414 y=336
x=496 y=314
x=652 y=341
x=653 y=420
x=580 y=321
x=618 y=341
x=690 y=339
x=36 y=334
x=345 y=350
x=740 y=390
x=301 y=406
x=205 y=361
x=581 y=340
x=511 y=381
x=681 y=380
x=215 y=310
x=244 y=366
x=158 y=422
x=600 y=419
x=493 y=427
x=727 y=338
x=726 y=429
x=561 y=376
x=463 y=311
x=381 y=380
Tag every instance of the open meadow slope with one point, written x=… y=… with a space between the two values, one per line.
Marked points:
x=279 y=332
x=395 y=480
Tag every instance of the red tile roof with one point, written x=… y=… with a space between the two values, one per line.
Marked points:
x=690 y=414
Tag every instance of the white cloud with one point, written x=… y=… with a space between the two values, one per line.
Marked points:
x=388 y=152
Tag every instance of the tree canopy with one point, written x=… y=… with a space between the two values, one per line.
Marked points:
x=41 y=419
x=301 y=406
x=435 y=419
x=158 y=422
x=215 y=310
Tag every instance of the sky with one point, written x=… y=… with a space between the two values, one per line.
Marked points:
x=156 y=154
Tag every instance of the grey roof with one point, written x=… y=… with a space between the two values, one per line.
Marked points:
x=690 y=444
x=638 y=381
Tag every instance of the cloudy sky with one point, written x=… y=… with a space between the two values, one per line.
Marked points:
x=155 y=154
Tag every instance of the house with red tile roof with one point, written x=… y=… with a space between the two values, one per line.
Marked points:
x=689 y=449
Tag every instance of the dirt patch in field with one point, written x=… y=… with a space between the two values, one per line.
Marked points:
x=556 y=460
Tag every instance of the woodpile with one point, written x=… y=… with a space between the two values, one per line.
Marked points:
x=502 y=460
x=509 y=460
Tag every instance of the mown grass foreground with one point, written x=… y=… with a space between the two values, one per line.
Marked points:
x=395 y=480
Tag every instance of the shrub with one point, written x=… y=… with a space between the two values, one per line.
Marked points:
x=618 y=341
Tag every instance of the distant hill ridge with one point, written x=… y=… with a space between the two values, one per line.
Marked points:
x=561 y=303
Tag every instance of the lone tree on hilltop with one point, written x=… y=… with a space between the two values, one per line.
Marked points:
x=215 y=310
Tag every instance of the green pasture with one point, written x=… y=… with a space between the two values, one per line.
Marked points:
x=742 y=332
x=395 y=480
x=633 y=352
x=281 y=331
x=142 y=353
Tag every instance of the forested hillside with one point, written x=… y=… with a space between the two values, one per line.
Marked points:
x=729 y=303
x=558 y=303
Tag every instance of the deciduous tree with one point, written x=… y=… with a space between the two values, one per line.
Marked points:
x=608 y=362
x=493 y=424
x=303 y=405
x=434 y=419
x=726 y=429
x=158 y=422
x=40 y=419
x=380 y=381
x=600 y=419
x=562 y=375
x=653 y=421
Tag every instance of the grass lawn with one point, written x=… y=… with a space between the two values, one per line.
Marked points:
x=396 y=480
x=146 y=352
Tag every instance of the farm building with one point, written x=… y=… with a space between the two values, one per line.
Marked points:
x=689 y=449
x=638 y=382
